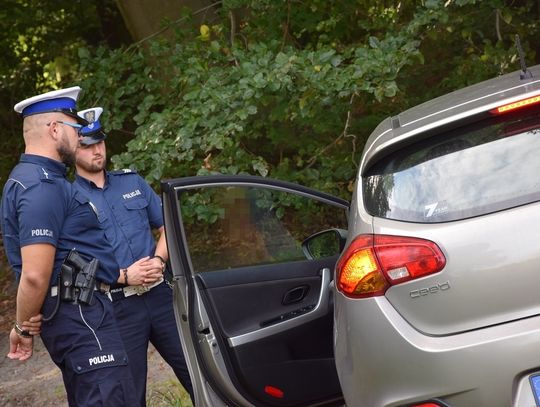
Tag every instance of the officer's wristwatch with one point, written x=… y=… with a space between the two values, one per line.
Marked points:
x=22 y=333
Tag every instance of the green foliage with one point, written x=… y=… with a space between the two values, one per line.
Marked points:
x=39 y=45
x=33 y=58
x=268 y=108
x=278 y=88
x=474 y=42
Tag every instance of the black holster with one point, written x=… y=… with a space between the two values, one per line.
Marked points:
x=78 y=279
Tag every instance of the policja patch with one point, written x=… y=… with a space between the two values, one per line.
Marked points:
x=98 y=360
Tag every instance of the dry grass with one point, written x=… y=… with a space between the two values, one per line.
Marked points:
x=167 y=394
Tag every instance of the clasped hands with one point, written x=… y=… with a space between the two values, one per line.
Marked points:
x=145 y=271
x=21 y=348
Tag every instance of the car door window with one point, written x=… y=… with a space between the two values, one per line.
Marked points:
x=249 y=225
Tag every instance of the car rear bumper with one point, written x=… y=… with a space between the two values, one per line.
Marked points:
x=383 y=361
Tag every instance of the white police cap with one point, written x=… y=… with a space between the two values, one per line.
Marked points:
x=61 y=100
x=92 y=133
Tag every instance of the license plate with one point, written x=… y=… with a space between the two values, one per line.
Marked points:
x=535 y=384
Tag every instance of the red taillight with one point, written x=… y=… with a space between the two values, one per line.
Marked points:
x=373 y=263
x=516 y=105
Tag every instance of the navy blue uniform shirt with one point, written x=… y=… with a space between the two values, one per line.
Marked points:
x=128 y=210
x=39 y=205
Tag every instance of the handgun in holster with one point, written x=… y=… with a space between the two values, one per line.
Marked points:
x=78 y=278
x=85 y=282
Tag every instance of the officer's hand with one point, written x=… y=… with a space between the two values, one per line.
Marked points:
x=137 y=272
x=20 y=348
x=155 y=271
x=33 y=325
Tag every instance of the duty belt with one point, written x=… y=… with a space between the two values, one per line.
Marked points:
x=101 y=287
x=124 y=292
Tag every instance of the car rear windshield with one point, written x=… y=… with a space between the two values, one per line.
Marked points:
x=474 y=170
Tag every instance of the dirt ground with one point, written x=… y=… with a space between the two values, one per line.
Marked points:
x=38 y=382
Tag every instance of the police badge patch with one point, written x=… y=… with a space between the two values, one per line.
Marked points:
x=90 y=115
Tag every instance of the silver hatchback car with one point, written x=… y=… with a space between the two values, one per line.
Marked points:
x=429 y=299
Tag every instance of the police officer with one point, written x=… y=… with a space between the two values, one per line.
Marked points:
x=43 y=219
x=129 y=210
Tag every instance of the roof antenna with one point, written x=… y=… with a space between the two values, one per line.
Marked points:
x=525 y=73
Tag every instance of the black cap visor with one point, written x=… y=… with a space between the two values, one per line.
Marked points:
x=93 y=138
x=73 y=113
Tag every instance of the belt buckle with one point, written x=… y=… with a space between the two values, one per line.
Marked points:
x=104 y=288
x=140 y=290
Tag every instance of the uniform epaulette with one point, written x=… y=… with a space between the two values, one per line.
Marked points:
x=123 y=171
x=44 y=175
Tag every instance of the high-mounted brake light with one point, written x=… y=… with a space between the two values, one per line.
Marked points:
x=516 y=105
x=373 y=263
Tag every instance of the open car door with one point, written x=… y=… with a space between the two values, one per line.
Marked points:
x=253 y=284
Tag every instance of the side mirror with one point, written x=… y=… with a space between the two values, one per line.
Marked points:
x=326 y=243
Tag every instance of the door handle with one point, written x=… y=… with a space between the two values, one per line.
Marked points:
x=296 y=294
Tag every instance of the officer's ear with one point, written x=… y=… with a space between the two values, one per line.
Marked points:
x=53 y=129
